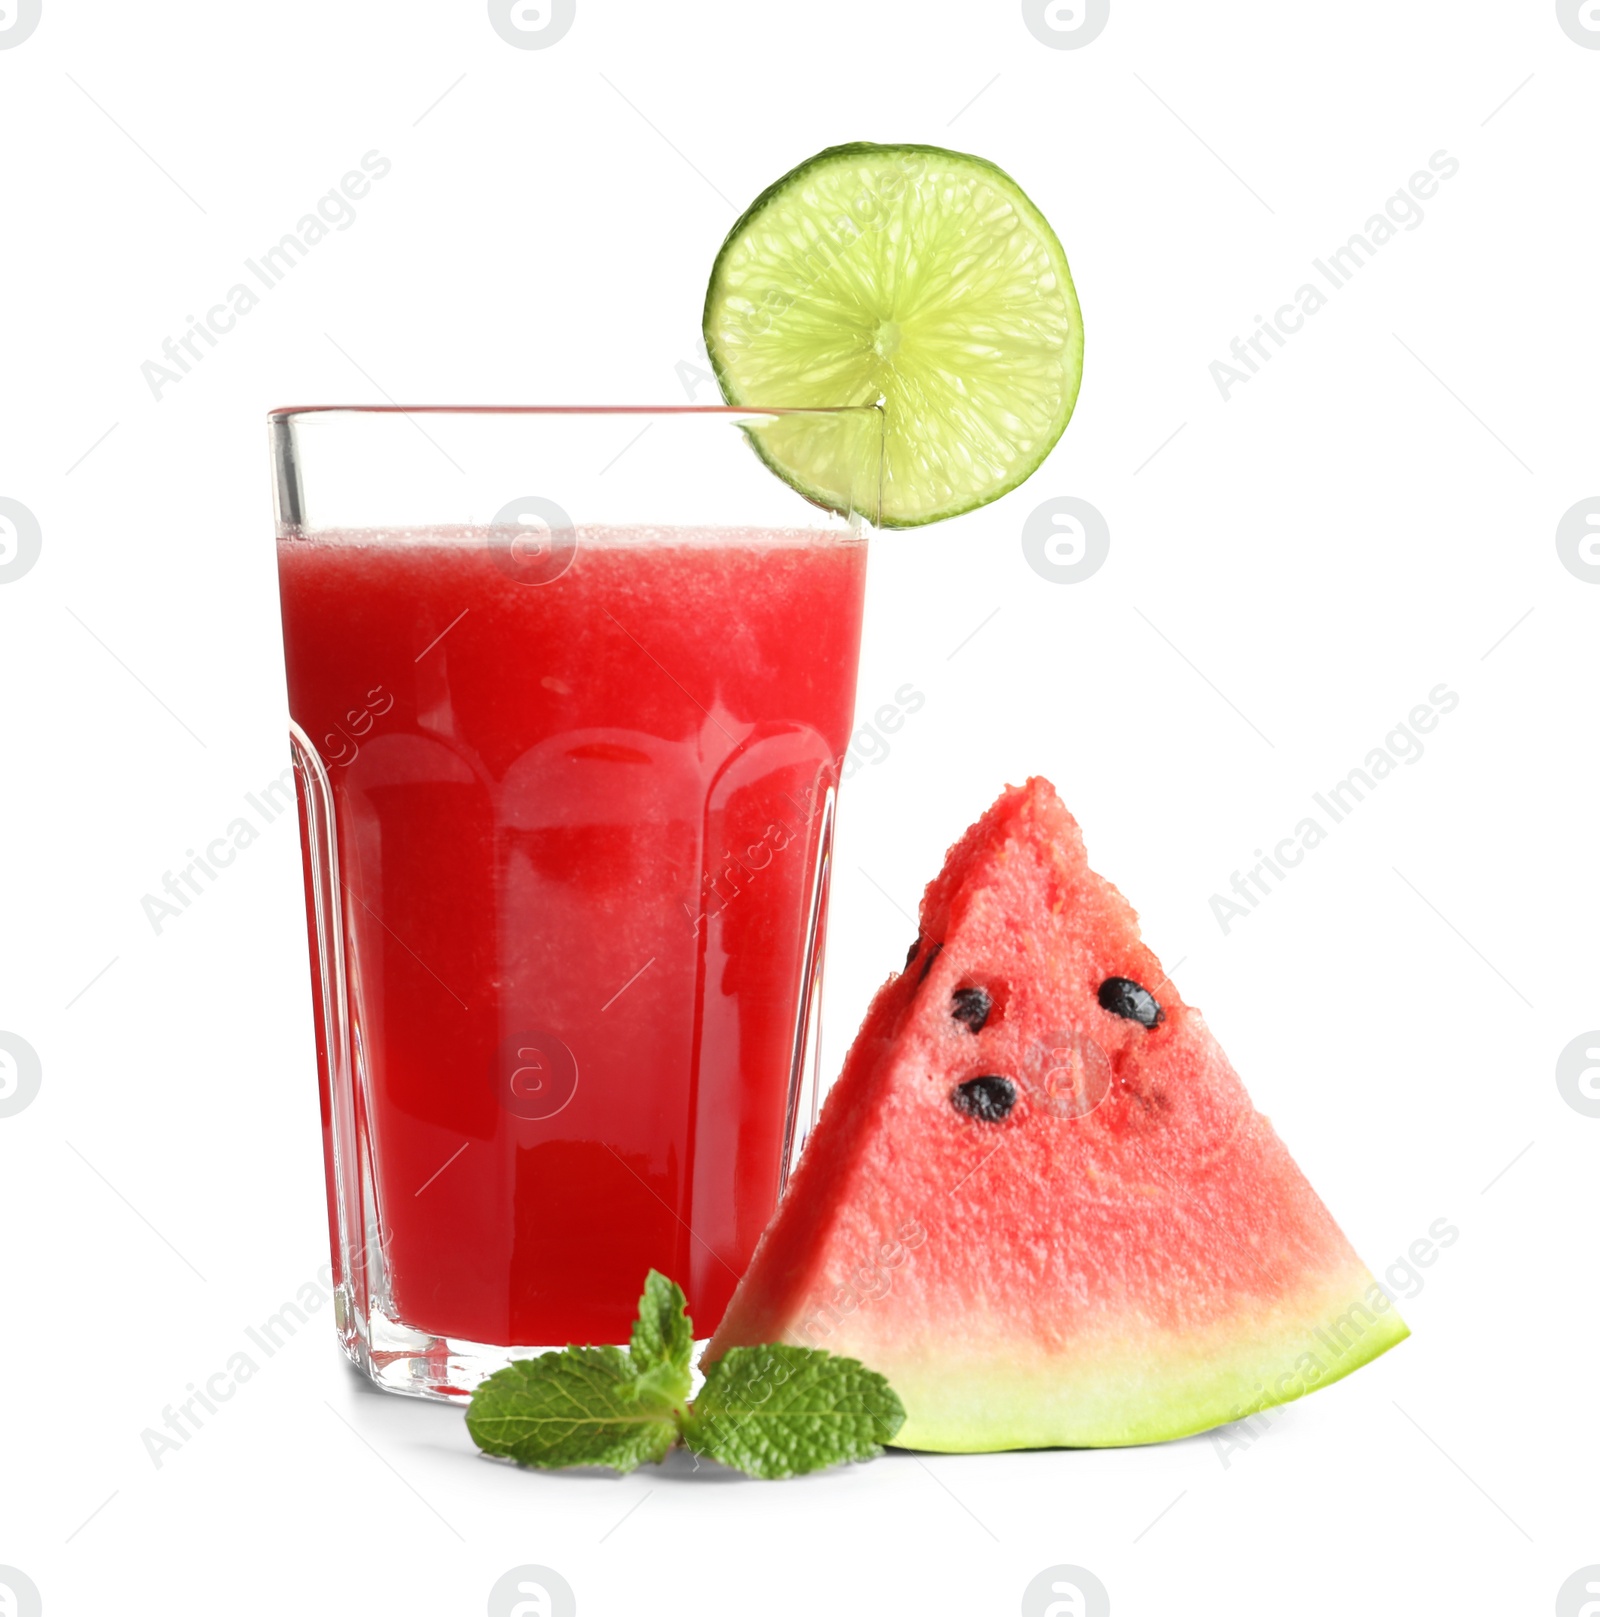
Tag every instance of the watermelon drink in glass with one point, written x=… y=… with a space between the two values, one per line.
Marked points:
x=569 y=691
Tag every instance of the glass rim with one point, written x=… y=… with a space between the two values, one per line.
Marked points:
x=712 y=411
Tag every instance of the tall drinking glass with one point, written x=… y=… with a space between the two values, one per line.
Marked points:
x=569 y=691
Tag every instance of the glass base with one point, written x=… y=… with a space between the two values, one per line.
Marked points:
x=395 y=1358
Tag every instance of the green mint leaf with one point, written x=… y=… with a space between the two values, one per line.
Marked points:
x=663 y=1338
x=768 y=1411
x=781 y=1411
x=583 y=1406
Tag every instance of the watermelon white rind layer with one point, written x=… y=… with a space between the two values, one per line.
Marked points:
x=1126 y=1384
x=1128 y=1254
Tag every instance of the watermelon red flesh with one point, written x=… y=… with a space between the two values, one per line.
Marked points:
x=1141 y=1270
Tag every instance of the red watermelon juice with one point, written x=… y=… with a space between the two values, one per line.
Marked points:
x=579 y=829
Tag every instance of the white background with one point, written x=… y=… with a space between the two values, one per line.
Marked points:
x=1373 y=514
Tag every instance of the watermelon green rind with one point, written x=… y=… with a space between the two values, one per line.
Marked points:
x=1149 y=1269
x=1172 y=1386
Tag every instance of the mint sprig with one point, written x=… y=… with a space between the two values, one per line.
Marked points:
x=781 y=1411
x=583 y=1406
x=769 y=1411
x=663 y=1338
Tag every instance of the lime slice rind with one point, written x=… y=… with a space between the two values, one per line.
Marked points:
x=922 y=278
x=833 y=458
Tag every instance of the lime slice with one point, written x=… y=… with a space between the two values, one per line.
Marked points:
x=919 y=277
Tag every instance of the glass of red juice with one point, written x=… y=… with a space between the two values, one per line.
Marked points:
x=569 y=693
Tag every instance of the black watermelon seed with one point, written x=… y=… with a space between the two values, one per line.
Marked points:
x=927 y=965
x=972 y=1006
x=911 y=953
x=1122 y=996
x=988 y=1099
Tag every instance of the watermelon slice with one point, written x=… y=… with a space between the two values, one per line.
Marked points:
x=1038 y=1198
